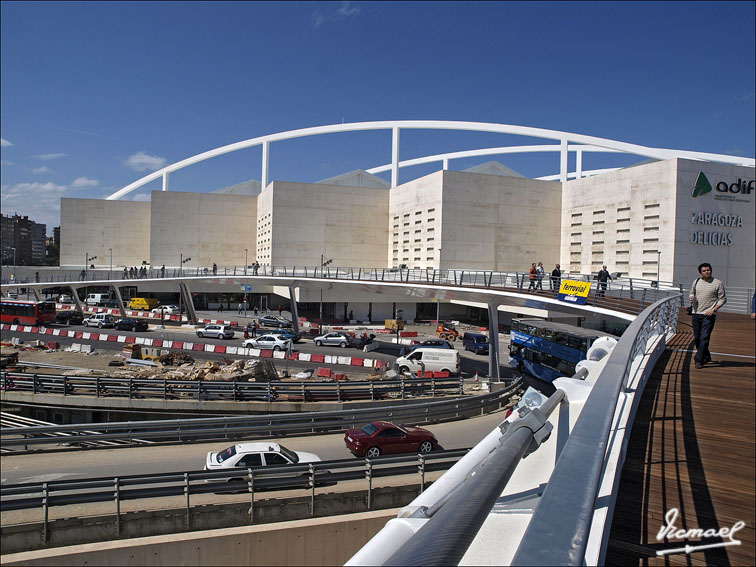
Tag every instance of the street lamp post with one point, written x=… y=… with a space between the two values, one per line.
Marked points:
x=15 y=277
x=111 y=262
x=323 y=263
x=245 y=261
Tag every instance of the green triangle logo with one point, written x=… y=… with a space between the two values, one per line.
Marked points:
x=702 y=186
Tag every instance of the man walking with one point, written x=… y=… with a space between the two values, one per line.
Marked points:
x=540 y=273
x=707 y=296
x=532 y=275
x=556 y=278
x=603 y=276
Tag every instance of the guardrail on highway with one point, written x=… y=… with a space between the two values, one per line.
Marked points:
x=270 y=425
x=202 y=390
x=252 y=480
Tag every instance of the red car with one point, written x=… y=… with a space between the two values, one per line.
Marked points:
x=383 y=438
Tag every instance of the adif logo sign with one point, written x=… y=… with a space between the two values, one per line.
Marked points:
x=702 y=186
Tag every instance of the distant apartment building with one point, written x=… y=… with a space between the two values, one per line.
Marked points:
x=23 y=241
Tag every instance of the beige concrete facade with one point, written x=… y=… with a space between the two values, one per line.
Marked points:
x=624 y=218
x=297 y=222
x=474 y=221
x=447 y=219
x=206 y=227
x=92 y=226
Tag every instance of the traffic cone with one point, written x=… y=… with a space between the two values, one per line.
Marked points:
x=476 y=377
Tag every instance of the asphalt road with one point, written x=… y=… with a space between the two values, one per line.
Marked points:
x=188 y=457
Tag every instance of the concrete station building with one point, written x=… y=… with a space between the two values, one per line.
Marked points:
x=657 y=219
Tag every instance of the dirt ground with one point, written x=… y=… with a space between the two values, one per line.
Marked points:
x=98 y=360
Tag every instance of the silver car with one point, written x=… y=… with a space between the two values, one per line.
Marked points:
x=274 y=342
x=333 y=339
x=219 y=331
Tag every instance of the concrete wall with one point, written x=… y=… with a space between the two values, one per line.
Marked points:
x=301 y=221
x=492 y=222
x=623 y=218
x=92 y=226
x=322 y=541
x=206 y=227
x=733 y=259
x=474 y=221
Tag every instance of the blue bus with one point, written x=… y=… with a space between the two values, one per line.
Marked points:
x=549 y=350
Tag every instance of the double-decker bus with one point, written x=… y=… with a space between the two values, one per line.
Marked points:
x=548 y=350
x=20 y=312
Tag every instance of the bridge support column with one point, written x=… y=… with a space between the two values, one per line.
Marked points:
x=191 y=314
x=294 y=311
x=75 y=297
x=119 y=299
x=493 y=342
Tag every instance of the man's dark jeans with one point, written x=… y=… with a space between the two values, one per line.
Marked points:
x=702 y=328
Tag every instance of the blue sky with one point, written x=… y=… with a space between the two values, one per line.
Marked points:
x=95 y=95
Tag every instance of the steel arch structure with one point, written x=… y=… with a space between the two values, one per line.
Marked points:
x=567 y=142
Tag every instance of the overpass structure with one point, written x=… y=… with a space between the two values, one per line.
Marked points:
x=556 y=506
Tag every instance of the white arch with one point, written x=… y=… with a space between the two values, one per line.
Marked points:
x=564 y=139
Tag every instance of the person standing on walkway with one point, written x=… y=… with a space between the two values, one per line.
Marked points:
x=707 y=296
x=532 y=277
x=240 y=309
x=215 y=268
x=603 y=276
x=540 y=273
x=556 y=278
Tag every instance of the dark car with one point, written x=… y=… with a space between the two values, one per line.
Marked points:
x=273 y=321
x=476 y=342
x=69 y=317
x=129 y=324
x=384 y=438
x=286 y=334
x=429 y=343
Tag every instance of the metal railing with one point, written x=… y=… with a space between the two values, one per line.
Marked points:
x=269 y=425
x=629 y=295
x=185 y=484
x=204 y=390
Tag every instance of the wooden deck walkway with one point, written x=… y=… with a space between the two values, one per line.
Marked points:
x=692 y=448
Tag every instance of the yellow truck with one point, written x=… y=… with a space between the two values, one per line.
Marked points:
x=143 y=303
x=394 y=324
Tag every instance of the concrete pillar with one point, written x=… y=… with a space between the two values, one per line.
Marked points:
x=191 y=314
x=265 y=163
x=563 y=161
x=119 y=299
x=493 y=342
x=395 y=157
x=165 y=181
x=75 y=297
x=35 y=291
x=294 y=311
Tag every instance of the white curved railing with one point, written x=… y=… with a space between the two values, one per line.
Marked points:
x=587 y=144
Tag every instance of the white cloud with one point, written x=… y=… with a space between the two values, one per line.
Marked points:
x=6 y=162
x=40 y=201
x=40 y=170
x=344 y=11
x=85 y=182
x=50 y=156
x=141 y=197
x=5 y=143
x=142 y=161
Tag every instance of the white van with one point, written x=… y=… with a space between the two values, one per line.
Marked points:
x=430 y=360
x=96 y=298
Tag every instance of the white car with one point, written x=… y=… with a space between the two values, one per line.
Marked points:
x=99 y=320
x=334 y=339
x=167 y=309
x=256 y=455
x=275 y=342
x=217 y=331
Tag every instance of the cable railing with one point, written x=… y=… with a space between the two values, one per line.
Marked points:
x=258 y=426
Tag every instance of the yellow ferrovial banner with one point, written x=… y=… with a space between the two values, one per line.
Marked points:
x=574 y=291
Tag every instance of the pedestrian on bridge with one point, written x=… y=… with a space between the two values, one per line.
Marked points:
x=707 y=296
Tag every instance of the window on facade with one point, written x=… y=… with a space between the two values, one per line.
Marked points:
x=598 y=212
x=622 y=209
x=650 y=217
x=645 y=240
x=651 y=229
x=651 y=206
